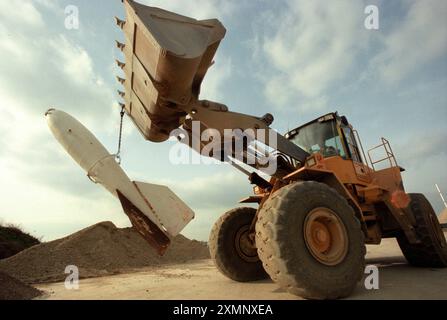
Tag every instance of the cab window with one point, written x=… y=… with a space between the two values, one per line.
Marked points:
x=320 y=137
x=352 y=144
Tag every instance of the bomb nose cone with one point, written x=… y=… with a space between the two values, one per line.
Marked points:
x=51 y=117
x=49 y=112
x=58 y=122
x=56 y=119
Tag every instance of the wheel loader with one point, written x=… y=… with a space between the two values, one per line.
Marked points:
x=326 y=198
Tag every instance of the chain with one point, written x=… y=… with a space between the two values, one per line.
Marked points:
x=118 y=154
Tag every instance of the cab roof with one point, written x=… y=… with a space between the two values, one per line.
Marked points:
x=326 y=117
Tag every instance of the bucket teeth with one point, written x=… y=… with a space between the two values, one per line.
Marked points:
x=120 y=45
x=122 y=105
x=121 y=80
x=120 y=23
x=121 y=93
x=120 y=64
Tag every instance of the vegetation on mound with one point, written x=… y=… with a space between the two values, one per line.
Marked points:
x=14 y=240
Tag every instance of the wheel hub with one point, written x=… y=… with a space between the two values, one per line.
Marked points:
x=325 y=236
x=245 y=247
x=320 y=236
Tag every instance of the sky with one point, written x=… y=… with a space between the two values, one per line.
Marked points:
x=296 y=59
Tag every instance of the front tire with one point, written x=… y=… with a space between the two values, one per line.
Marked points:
x=231 y=249
x=310 y=242
x=432 y=251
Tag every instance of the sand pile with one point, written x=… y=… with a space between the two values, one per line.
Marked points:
x=98 y=250
x=443 y=216
x=13 y=289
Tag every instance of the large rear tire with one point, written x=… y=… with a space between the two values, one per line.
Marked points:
x=232 y=251
x=432 y=251
x=310 y=242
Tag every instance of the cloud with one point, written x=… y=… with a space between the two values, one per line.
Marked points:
x=222 y=189
x=41 y=70
x=52 y=212
x=215 y=79
x=199 y=9
x=23 y=14
x=307 y=49
x=417 y=151
x=310 y=45
x=420 y=38
x=74 y=60
x=48 y=4
x=31 y=154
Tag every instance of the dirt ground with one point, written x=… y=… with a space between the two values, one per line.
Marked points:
x=201 y=280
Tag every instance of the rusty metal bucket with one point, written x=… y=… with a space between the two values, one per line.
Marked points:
x=167 y=58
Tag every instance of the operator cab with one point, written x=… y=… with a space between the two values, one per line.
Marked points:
x=330 y=135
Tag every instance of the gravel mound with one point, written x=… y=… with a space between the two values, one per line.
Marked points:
x=13 y=289
x=98 y=250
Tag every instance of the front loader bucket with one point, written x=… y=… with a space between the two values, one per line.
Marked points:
x=167 y=57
